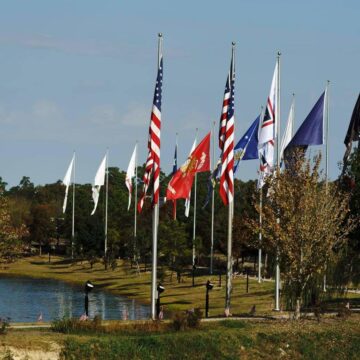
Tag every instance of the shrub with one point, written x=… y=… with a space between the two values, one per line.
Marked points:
x=180 y=321
x=188 y=319
x=4 y=324
x=71 y=325
x=194 y=318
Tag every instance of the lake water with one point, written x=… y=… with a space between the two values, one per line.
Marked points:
x=22 y=299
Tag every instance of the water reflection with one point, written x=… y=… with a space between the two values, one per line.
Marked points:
x=24 y=299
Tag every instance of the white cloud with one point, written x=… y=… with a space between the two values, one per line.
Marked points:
x=46 y=111
x=103 y=114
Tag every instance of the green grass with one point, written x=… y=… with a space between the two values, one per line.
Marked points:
x=332 y=339
x=337 y=338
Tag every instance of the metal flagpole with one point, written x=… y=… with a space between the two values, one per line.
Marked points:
x=212 y=205
x=73 y=213
x=326 y=155
x=230 y=225
x=293 y=118
x=194 y=227
x=260 y=218
x=106 y=203
x=229 y=258
x=174 y=202
x=135 y=209
x=260 y=237
x=277 y=118
x=155 y=221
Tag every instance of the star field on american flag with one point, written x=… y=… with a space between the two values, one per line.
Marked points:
x=158 y=87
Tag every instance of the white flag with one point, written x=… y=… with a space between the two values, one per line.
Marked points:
x=67 y=181
x=267 y=132
x=130 y=173
x=288 y=131
x=98 y=183
x=267 y=128
x=187 y=201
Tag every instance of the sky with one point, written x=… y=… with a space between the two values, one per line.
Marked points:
x=80 y=76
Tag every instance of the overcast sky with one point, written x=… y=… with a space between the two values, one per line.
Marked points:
x=80 y=75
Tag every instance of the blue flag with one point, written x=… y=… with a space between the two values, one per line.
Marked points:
x=175 y=168
x=214 y=177
x=247 y=147
x=311 y=130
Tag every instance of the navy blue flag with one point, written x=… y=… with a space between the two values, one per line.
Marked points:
x=214 y=177
x=311 y=130
x=247 y=147
x=175 y=168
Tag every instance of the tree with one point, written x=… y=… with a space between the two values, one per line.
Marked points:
x=175 y=252
x=43 y=226
x=10 y=236
x=312 y=222
x=347 y=268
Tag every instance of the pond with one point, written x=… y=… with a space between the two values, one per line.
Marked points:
x=24 y=299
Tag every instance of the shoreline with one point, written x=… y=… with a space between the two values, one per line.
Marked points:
x=14 y=270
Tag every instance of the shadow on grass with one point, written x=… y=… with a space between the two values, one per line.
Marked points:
x=39 y=262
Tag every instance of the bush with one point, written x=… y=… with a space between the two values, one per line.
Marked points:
x=194 y=318
x=180 y=321
x=4 y=324
x=71 y=325
x=188 y=319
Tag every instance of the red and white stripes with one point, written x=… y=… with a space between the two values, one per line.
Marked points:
x=153 y=160
x=226 y=138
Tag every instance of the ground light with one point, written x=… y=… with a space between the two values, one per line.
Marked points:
x=209 y=287
x=160 y=289
x=88 y=287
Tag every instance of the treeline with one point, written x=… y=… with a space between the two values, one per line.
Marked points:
x=38 y=209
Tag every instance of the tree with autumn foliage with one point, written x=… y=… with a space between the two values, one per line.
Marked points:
x=304 y=220
x=11 y=245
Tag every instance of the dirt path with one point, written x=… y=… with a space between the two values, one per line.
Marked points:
x=20 y=354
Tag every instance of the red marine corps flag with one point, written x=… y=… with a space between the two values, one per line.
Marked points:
x=199 y=161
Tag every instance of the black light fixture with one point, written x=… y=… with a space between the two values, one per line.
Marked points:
x=88 y=287
x=209 y=287
x=160 y=290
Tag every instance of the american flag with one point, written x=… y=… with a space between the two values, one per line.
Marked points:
x=153 y=159
x=226 y=138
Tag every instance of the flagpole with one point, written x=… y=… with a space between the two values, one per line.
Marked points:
x=73 y=213
x=326 y=156
x=260 y=217
x=212 y=205
x=155 y=228
x=106 y=204
x=230 y=225
x=277 y=275
x=260 y=237
x=194 y=226
x=135 y=210
x=293 y=118
x=174 y=202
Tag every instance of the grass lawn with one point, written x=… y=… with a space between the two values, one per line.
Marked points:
x=231 y=339
x=125 y=281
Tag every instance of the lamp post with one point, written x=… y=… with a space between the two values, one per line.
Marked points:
x=247 y=280
x=160 y=289
x=193 y=274
x=209 y=287
x=88 y=287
